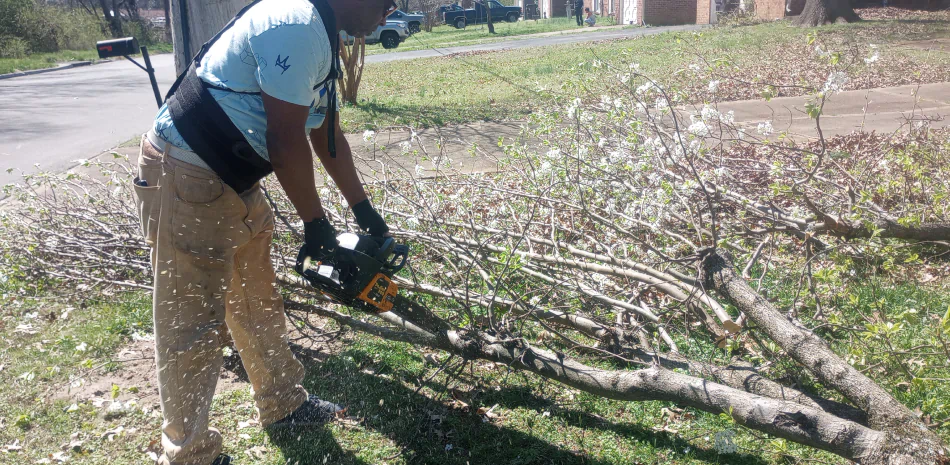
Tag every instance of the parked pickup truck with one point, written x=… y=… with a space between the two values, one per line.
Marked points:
x=390 y=35
x=414 y=21
x=479 y=14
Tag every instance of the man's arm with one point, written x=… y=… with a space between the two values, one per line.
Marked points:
x=341 y=168
x=343 y=172
x=290 y=155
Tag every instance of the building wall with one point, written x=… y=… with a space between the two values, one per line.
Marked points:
x=670 y=12
x=602 y=8
x=653 y=12
x=770 y=9
x=702 y=11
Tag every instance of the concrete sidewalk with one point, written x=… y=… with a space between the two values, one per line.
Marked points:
x=881 y=110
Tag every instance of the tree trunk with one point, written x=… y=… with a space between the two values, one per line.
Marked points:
x=168 y=22
x=353 y=57
x=884 y=412
x=193 y=22
x=818 y=12
x=789 y=420
x=132 y=7
x=112 y=18
x=491 y=25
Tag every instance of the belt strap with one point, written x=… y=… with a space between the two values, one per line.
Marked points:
x=213 y=136
x=180 y=154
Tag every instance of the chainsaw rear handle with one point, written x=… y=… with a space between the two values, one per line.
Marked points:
x=398 y=259
x=385 y=248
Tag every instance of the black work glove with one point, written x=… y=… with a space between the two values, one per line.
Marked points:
x=369 y=219
x=319 y=239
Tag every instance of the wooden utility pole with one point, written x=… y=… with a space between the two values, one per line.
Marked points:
x=193 y=22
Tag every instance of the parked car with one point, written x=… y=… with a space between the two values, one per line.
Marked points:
x=479 y=14
x=390 y=35
x=414 y=21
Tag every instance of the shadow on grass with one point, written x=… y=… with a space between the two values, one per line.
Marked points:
x=312 y=447
x=424 y=430
x=582 y=419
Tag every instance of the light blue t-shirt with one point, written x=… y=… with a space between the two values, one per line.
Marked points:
x=279 y=47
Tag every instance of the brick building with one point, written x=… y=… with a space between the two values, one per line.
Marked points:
x=642 y=12
x=778 y=9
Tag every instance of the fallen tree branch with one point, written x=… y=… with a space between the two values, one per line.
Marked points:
x=810 y=351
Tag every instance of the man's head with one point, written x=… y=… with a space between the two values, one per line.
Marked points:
x=360 y=17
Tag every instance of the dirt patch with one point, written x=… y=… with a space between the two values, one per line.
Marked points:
x=136 y=377
x=137 y=380
x=930 y=45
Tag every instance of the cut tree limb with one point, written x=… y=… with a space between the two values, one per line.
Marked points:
x=789 y=420
x=884 y=412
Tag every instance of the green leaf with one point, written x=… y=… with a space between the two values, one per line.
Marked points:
x=945 y=322
x=813 y=110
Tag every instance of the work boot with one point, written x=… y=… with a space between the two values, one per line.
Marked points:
x=222 y=460
x=313 y=412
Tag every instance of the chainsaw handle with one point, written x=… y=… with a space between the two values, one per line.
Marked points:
x=400 y=254
x=385 y=248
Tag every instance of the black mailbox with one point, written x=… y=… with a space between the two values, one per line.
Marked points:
x=118 y=47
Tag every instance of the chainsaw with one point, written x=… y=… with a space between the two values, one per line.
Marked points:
x=360 y=274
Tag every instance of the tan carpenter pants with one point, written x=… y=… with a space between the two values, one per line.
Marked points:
x=211 y=258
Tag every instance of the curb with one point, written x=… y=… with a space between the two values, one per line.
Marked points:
x=45 y=70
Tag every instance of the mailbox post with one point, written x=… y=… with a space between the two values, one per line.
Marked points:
x=129 y=46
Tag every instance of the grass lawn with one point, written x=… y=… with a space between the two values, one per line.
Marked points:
x=449 y=36
x=504 y=85
x=49 y=60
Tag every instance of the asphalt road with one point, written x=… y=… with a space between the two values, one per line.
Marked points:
x=52 y=119
x=47 y=121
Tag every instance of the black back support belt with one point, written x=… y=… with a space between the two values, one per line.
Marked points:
x=212 y=135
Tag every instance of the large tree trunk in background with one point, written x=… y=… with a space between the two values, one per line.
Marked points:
x=111 y=17
x=818 y=12
x=193 y=22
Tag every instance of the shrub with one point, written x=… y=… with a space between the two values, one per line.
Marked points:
x=26 y=27
x=13 y=47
